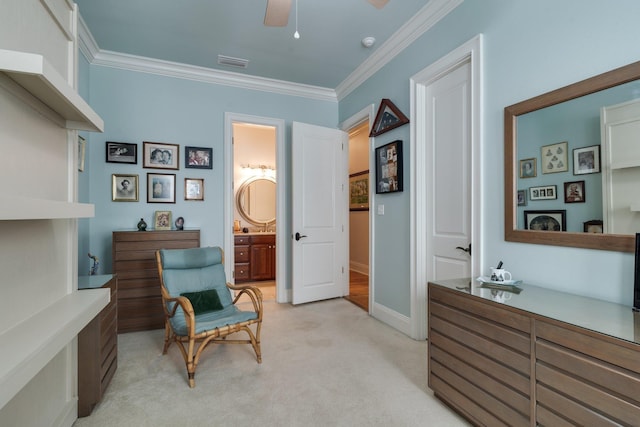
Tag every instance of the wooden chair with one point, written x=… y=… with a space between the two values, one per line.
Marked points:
x=199 y=307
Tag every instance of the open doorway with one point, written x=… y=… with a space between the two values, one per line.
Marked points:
x=359 y=215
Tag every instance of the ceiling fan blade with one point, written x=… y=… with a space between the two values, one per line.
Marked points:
x=378 y=3
x=277 y=14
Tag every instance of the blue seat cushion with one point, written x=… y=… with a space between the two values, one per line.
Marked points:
x=211 y=320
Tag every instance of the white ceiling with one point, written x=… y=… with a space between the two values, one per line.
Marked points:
x=195 y=32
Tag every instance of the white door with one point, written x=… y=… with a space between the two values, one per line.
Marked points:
x=319 y=217
x=448 y=107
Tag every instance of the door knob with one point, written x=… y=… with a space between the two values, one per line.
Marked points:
x=468 y=250
x=299 y=236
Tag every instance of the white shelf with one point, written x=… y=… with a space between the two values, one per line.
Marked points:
x=633 y=163
x=19 y=208
x=40 y=79
x=28 y=346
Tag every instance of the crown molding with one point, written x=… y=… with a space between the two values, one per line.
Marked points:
x=87 y=44
x=420 y=23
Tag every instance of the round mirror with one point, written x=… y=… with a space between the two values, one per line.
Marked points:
x=256 y=200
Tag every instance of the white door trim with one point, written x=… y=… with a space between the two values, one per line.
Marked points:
x=366 y=114
x=281 y=185
x=470 y=51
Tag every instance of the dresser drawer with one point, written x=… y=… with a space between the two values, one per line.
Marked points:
x=241 y=254
x=241 y=271
x=241 y=240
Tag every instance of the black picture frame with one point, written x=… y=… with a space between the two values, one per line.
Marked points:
x=359 y=191
x=121 y=152
x=389 y=167
x=546 y=220
x=198 y=157
x=574 y=192
x=586 y=160
x=388 y=117
x=160 y=155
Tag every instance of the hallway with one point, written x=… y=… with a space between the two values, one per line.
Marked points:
x=358 y=290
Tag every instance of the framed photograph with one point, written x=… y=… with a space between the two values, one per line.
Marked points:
x=389 y=167
x=528 y=168
x=554 y=158
x=161 y=188
x=198 y=157
x=162 y=220
x=554 y=220
x=160 y=155
x=593 y=226
x=194 y=189
x=586 y=160
x=82 y=148
x=574 y=192
x=388 y=117
x=522 y=198
x=124 y=188
x=545 y=192
x=121 y=152
x=359 y=191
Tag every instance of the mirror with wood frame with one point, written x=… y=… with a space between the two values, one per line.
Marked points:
x=572 y=93
x=256 y=201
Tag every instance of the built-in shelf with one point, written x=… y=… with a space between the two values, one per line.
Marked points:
x=19 y=208
x=28 y=346
x=635 y=207
x=631 y=163
x=40 y=79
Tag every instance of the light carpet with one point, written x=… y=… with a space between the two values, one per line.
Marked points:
x=324 y=364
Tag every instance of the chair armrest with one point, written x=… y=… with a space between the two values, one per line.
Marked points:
x=254 y=293
x=187 y=309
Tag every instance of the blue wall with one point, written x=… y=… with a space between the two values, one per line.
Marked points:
x=530 y=47
x=139 y=107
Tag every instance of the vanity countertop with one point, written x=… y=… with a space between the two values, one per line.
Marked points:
x=255 y=233
x=605 y=317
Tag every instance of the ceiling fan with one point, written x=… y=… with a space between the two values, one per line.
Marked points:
x=277 y=14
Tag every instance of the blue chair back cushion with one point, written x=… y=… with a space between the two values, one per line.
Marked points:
x=196 y=270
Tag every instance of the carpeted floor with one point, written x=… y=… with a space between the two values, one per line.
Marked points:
x=324 y=364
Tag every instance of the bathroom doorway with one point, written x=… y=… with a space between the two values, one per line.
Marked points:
x=253 y=211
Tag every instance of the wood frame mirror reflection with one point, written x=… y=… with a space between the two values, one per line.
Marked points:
x=611 y=242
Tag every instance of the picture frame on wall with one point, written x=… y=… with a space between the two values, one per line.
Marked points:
x=554 y=157
x=593 y=226
x=161 y=188
x=388 y=117
x=157 y=155
x=528 y=168
x=194 y=189
x=522 y=198
x=121 y=152
x=547 y=220
x=359 y=191
x=124 y=188
x=162 y=220
x=198 y=157
x=389 y=167
x=586 y=160
x=574 y=192
x=545 y=192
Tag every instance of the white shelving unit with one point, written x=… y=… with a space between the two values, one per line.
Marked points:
x=40 y=79
x=38 y=339
x=23 y=208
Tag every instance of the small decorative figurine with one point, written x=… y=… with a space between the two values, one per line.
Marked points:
x=96 y=264
x=142 y=226
x=180 y=223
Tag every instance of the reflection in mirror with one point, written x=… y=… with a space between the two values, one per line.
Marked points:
x=567 y=123
x=256 y=200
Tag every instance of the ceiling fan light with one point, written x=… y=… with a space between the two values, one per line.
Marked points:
x=368 y=41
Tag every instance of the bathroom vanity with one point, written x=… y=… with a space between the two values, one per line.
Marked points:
x=537 y=357
x=255 y=257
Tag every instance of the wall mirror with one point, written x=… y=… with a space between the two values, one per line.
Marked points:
x=256 y=201
x=570 y=114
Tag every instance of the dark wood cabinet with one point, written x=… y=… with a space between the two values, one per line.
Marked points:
x=139 y=301
x=500 y=365
x=97 y=347
x=255 y=257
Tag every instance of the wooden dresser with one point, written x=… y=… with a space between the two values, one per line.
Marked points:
x=254 y=257
x=539 y=357
x=97 y=346
x=139 y=301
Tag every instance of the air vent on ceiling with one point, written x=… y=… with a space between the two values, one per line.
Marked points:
x=232 y=62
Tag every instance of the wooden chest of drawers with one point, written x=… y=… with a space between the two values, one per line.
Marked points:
x=139 y=301
x=97 y=347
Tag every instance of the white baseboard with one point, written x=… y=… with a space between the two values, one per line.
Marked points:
x=392 y=318
x=68 y=414
x=359 y=267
